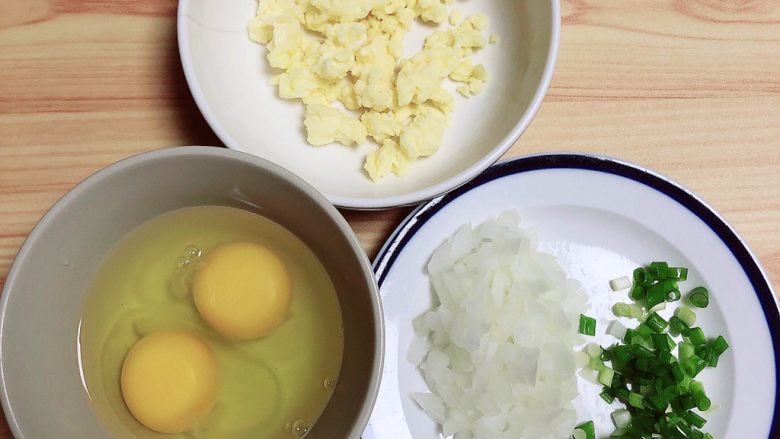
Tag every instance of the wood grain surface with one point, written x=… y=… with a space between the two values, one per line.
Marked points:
x=690 y=88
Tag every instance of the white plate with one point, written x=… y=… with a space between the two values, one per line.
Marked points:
x=601 y=218
x=228 y=76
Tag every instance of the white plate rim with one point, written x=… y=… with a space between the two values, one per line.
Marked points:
x=770 y=304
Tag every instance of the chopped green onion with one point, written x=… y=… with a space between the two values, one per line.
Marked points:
x=658 y=292
x=596 y=363
x=686 y=315
x=643 y=277
x=699 y=297
x=656 y=323
x=677 y=326
x=620 y=283
x=694 y=366
x=655 y=269
x=663 y=342
x=621 y=310
x=696 y=336
x=593 y=350
x=677 y=273
x=587 y=325
x=588 y=428
x=636 y=400
x=644 y=373
x=686 y=351
x=637 y=292
x=673 y=296
x=719 y=345
x=605 y=376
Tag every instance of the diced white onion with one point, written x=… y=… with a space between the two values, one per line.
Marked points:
x=616 y=329
x=621 y=418
x=498 y=352
x=431 y=404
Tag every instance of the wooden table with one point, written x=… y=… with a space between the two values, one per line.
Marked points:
x=690 y=88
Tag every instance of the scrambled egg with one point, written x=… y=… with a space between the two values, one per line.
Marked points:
x=351 y=52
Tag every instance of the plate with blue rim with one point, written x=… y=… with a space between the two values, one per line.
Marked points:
x=601 y=218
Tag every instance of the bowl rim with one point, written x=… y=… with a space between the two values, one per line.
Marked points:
x=197 y=151
x=383 y=202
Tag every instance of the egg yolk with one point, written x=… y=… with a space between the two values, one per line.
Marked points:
x=243 y=290
x=169 y=381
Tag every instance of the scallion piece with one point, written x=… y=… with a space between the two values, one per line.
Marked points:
x=696 y=336
x=656 y=323
x=656 y=269
x=703 y=403
x=587 y=325
x=642 y=277
x=636 y=400
x=658 y=292
x=673 y=296
x=589 y=428
x=607 y=395
x=694 y=365
x=620 y=283
x=699 y=297
x=621 y=310
x=686 y=315
x=637 y=292
x=719 y=345
x=605 y=376
x=636 y=311
x=663 y=342
x=694 y=419
x=678 y=327
x=596 y=363
x=677 y=273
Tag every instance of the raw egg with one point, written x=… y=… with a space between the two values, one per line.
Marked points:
x=243 y=290
x=195 y=308
x=169 y=381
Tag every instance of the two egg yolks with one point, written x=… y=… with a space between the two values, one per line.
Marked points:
x=169 y=379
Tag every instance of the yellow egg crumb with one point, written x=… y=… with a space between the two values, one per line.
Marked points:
x=326 y=125
x=456 y=17
x=169 y=381
x=350 y=53
x=243 y=290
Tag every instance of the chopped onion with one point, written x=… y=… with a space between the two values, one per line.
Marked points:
x=621 y=418
x=498 y=352
x=431 y=405
x=616 y=329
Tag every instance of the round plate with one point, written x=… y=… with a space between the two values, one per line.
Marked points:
x=600 y=218
x=228 y=76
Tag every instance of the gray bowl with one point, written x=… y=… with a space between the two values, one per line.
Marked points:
x=42 y=393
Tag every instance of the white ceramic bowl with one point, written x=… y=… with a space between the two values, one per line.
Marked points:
x=228 y=76
x=41 y=386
